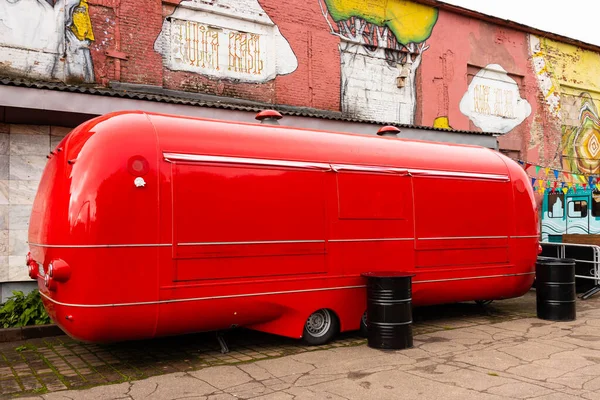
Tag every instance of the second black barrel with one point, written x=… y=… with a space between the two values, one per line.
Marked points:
x=389 y=310
x=555 y=289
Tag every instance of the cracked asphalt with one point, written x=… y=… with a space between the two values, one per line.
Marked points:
x=461 y=351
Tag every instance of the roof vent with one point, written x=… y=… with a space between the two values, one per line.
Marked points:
x=269 y=117
x=388 y=130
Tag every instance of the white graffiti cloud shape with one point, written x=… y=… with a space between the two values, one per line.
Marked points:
x=232 y=39
x=493 y=101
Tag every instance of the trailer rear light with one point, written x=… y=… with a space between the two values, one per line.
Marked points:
x=59 y=270
x=138 y=166
x=49 y=282
x=540 y=249
x=33 y=268
x=28 y=259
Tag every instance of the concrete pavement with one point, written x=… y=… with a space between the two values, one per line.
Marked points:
x=514 y=358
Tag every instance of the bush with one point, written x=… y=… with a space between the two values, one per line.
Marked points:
x=21 y=310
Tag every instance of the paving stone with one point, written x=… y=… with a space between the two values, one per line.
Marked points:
x=520 y=390
x=490 y=359
x=536 y=372
x=178 y=385
x=256 y=372
x=455 y=339
x=278 y=367
x=591 y=396
x=222 y=377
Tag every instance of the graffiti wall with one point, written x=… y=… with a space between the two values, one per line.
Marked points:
x=227 y=39
x=493 y=101
x=385 y=40
x=569 y=81
x=45 y=39
x=391 y=61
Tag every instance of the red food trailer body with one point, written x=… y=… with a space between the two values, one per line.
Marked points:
x=148 y=225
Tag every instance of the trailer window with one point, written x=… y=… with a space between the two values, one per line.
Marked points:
x=578 y=209
x=596 y=204
x=556 y=205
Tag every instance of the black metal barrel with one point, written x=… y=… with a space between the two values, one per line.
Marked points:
x=389 y=310
x=555 y=289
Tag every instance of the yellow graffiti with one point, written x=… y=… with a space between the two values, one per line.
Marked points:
x=82 y=24
x=442 y=123
x=410 y=22
x=198 y=44
x=502 y=101
x=481 y=103
x=244 y=53
x=572 y=65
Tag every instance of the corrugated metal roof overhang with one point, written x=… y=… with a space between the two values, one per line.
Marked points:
x=89 y=100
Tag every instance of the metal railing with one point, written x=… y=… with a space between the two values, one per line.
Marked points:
x=585 y=256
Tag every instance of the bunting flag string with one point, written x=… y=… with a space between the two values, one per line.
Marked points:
x=551 y=179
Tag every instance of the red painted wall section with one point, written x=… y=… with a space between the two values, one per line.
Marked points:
x=103 y=14
x=118 y=27
x=316 y=81
x=460 y=48
x=139 y=23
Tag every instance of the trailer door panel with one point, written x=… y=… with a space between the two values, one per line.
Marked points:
x=372 y=224
x=236 y=221
x=461 y=221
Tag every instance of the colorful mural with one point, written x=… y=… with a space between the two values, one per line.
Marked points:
x=381 y=48
x=231 y=39
x=493 y=101
x=568 y=80
x=545 y=78
x=581 y=143
x=46 y=39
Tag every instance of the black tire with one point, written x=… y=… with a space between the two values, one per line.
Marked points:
x=320 y=327
x=364 y=329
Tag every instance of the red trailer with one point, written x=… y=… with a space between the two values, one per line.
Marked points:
x=147 y=225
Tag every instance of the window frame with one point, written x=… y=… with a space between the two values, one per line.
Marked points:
x=578 y=201
x=564 y=203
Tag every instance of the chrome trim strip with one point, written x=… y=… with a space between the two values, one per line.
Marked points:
x=369 y=168
x=525 y=237
x=494 y=177
x=267 y=242
x=371 y=240
x=65 y=246
x=328 y=166
x=243 y=160
x=474 y=277
x=253 y=242
x=145 y=303
x=464 y=237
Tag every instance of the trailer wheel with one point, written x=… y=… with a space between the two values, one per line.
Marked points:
x=364 y=329
x=320 y=327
